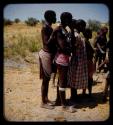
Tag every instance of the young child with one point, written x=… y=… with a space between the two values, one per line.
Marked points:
x=62 y=59
x=78 y=70
x=106 y=61
x=90 y=51
x=46 y=56
x=101 y=46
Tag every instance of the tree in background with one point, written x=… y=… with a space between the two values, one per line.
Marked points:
x=31 y=21
x=42 y=21
x=8 y=22
x=94 y=25
x=17 y=20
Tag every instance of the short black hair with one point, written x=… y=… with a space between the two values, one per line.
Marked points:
x=49 y=14
x=87 y=32
x=65 y=15
x=81 y=22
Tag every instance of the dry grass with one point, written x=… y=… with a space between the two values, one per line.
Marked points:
x=20 y=39
x=22 y=86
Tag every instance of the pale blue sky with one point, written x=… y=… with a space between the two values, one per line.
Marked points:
x=99 y=12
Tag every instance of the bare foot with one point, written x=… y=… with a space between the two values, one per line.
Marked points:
x=70 y=109
x=46 y=106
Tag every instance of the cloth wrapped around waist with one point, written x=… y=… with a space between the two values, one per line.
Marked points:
x=45 y=60
x=62 y=59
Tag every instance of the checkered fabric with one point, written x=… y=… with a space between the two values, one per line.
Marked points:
x=78 y=69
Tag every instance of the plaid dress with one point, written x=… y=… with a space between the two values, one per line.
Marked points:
x=78 y=69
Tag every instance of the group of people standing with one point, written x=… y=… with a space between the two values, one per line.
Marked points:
x=67 y=52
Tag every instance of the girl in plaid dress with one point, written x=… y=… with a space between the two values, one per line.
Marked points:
x=78 y=70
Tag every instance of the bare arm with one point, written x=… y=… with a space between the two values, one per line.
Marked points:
x=100 y=48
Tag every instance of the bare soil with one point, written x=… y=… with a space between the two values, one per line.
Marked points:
x=22 y=98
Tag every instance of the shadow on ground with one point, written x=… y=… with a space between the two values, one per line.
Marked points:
x=86 y=101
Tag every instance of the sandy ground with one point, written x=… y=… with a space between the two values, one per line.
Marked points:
x=22 y=98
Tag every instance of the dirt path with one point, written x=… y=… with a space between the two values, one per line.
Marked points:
x=22 y=98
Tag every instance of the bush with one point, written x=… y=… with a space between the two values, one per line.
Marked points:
x=17 y=20
x=22 y=46
x=43 y=21
x=8 y=22
x=31 y=21
x=94 y=25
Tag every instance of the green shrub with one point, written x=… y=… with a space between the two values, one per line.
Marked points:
x=23 y=45
x=94 y=25
x=17 y=20
x=31 y=21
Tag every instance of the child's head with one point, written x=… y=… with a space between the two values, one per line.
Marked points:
x=87 y=33
x=104 y=30
x=66 y=18
x=80 y=25
x=73 y=24
x=50 y=16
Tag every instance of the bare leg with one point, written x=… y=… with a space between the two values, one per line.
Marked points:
x=73 y=94
x=58 y=101
x=44 y=92
x=106 y=90
x=90 y=81
x=54 y=76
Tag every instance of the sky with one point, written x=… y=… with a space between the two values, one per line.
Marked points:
x=99 y=12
